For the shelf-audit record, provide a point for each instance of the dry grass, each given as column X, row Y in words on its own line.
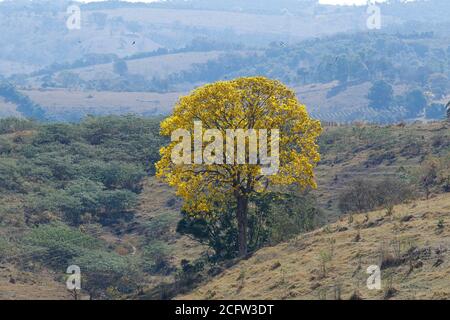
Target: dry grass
column 153, row 66
column 60, row 101
column 423, row 273
column 345, row 158
column 25, row 285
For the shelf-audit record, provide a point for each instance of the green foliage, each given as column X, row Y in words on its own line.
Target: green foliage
column 11, row 179
column 129, row 139
column 61, row 133
column 273, row 217
column 58, row 246
column 381, row 95
column 120, row 67
column 218, row 231
column 290, row 214
column 55, row 245
column 155, row 258
column 416, row 102
column 159, row 227
column 7, row 249
column 81, row 199
column 99, row 261
column 115, row 175
column 105, row 274
column 11, row 125
column 91, row 170
column 364, row 195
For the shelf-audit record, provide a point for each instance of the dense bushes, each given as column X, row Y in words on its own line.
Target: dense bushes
column 107, row 274
column 11, row 179
column 57, row 245
column 11, row 125
column 7, row 249
column 364, row 195
column 65, row 179
column 82, row 200
column 272, row 218
column 91, row 171
column 155, row 258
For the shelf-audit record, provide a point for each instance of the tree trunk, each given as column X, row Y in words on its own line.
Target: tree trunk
column 241, row 214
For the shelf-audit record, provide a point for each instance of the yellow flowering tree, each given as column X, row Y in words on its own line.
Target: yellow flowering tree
column 211, row 176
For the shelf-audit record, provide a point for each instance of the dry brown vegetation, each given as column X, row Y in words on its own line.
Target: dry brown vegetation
column 21, row 285
column 412, row 246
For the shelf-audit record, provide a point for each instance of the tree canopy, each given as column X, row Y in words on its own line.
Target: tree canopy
column 254, row 103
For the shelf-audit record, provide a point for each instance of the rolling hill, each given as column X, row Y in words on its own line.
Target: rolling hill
column 412, row 247
column 288, row 270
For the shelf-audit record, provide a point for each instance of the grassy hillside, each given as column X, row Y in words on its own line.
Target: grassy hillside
column 161, row 66
column 67, row 105
column 63, row 104
column 376, row 153
column 44, row 167
column 412, row 246
column 332, row 102
column 125, row 30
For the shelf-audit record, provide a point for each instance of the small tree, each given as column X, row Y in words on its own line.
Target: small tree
column 103, row 272
column 429, row 175
column 120, row 67
column 381, row 95
column 245, row 103
column 416, row 102
column 439, row 84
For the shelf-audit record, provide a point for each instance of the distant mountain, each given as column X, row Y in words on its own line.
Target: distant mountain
column 34, row 33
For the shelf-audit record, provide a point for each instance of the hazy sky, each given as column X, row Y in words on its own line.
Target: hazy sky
column 358, row 2
column 345, row 2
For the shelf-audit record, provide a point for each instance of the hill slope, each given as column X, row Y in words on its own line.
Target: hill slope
column 409, row 245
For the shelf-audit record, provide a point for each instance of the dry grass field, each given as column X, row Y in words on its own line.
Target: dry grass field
column 16, row 284
column 60, row 102
column 329, row 102
column 349, row 103
column 160, row 66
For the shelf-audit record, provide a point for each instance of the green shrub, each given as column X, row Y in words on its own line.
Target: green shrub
column 155, row 258
column 62, row 133
column 104, row 272
column 364, row 195
column 80, row 198
column 7, row 249
column 159, row 227
column 56, row 245
column 115, row 175
column 273, row 217
column 11, row 179
column 11, row 125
